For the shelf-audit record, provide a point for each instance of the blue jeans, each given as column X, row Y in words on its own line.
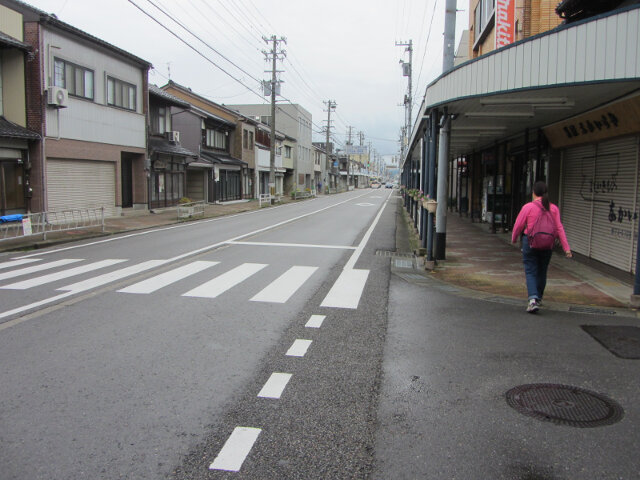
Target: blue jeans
column 536, row 263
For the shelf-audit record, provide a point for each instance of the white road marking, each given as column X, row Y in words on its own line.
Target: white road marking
column 15, row 263
column 295, row 245
column 224, row 282
column 235, row 449
column 275, row 385
column 347, row 289
column 52, row 277
column 38, row 268
column 112, row 276
column 365, row 204
column 356, row 255
column 298, row 348
column 29, row 307
column 167, row 278
column 281, row 289
column 315, row 321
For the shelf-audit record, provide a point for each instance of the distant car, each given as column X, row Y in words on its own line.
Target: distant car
column 375, row 185
column 388, row 185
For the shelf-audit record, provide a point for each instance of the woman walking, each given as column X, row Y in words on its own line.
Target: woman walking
column 533, row 220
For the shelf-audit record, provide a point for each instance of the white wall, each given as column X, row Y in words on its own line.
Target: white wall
column 88, row 120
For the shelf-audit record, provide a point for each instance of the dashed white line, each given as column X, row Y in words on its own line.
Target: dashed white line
column 315, row 321
column 298, row 348
column 235, row 450
column 275, row 385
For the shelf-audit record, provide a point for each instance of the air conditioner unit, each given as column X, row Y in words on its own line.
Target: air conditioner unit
column 173, row 136
column 58, row 97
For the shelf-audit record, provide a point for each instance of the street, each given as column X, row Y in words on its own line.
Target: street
column 145, row 366
column 287, row 343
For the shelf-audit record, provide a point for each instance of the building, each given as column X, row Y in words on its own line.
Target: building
column 295, row 122
column 225, row 143
column 562, row 106
column 88, row 100
column 16, row 141
column 168, row 160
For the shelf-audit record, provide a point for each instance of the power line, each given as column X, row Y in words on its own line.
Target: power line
column 426, row 45
column 193, row 48
column 201, row 40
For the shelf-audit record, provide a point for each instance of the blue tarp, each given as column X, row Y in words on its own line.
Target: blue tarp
column 11, row 218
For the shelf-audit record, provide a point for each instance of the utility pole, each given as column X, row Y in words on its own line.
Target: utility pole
column 361, row 136
column 448, row 54
column 331, row 105
column 407, row 72
column 349, row 133
column 274, row 55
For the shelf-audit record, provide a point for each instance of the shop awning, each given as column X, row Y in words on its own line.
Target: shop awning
column 158, row 145
column 222, row 159
column 11, row 130
column 535, row 83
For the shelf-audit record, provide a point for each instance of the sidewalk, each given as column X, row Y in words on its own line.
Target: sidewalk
column 130, row 221
column 480, row 261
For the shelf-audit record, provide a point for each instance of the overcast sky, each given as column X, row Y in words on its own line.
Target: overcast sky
column 340, row 50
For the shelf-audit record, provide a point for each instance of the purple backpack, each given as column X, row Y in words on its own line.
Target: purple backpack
column 542, row 235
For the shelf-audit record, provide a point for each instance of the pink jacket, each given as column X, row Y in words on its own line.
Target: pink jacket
column 529, row 214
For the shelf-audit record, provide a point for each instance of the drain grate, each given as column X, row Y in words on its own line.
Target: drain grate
column 621, row 340
column 564, row 405
column 598, row 311
column 389, row 253
column 400, row 263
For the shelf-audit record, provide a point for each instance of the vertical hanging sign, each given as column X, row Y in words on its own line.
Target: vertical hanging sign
column 505, row 22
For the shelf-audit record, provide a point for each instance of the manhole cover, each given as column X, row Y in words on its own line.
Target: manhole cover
column 564, row 405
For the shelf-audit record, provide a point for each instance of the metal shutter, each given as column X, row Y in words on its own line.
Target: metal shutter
column 613, row 225
column 81, row 184
column 576, row 202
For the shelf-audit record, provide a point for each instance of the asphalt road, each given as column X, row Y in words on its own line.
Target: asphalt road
column 139, row 356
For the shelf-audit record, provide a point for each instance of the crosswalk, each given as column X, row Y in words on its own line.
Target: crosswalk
column 25, row 274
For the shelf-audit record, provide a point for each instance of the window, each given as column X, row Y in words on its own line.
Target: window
column 245, row 139
column 215, row 139
column 76, row 79
column 266, row 119
column 287, row 151
column 162, row 120
column 121, row 94
column 482, row 17
column 251, row 140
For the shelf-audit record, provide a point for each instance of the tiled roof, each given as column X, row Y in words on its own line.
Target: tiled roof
column 222, row 159
column 158, row 92
column 11, row 130
column 8, row 41
column 159, row 145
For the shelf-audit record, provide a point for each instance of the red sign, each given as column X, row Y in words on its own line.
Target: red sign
column 505, row 22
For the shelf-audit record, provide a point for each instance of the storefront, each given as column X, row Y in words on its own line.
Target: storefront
column 600, row 181
column 15, row 167
column 227, row 179
column 167, row 174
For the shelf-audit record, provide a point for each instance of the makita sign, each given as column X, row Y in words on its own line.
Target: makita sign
column 505, row 22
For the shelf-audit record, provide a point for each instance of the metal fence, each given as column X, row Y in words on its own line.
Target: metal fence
column 191, row 209
column 44, row 223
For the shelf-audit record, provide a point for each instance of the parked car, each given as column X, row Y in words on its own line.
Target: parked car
column 388, row 185
column 375, row 185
